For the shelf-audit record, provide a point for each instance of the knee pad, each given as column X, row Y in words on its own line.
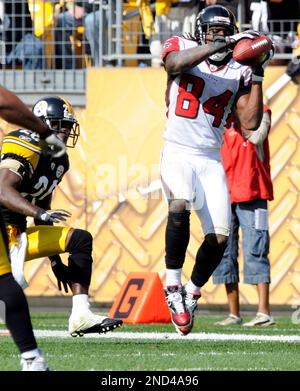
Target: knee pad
column 80, row 247
column 177, row 239
column 178, row 206
column 80, row 240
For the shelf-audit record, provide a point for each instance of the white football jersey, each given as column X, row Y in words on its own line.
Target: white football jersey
column 200, row 101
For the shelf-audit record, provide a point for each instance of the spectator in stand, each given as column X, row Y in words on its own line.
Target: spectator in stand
column 259, row 17
column 230, row 4
column 172, row 18
column 74, row 14
column 91, row 24
column 21, row 45
column 246, row 160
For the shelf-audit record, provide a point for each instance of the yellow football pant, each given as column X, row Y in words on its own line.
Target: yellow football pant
column 42, row 240
column 45, row 240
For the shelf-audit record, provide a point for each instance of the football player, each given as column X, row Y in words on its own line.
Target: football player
column 204, row 85
column 17, row 316
column 28, row 178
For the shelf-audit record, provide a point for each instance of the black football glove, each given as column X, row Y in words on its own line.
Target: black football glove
column 52, row 216
column 61, row 272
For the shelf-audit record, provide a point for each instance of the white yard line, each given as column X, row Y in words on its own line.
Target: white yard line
column 170, row 336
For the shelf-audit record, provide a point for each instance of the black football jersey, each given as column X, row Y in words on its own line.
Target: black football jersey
column 40, row 174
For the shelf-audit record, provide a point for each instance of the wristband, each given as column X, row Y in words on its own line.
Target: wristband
column 257, row 78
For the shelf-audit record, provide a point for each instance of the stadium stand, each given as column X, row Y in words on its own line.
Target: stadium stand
column 125, row 35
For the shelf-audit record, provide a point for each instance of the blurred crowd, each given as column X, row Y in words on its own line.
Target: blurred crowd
column 70, row 34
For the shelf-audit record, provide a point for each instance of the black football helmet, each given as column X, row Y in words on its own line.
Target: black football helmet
column 58, row 114
column 212, row 16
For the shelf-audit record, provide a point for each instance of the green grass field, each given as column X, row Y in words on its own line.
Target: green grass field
column 130, row 349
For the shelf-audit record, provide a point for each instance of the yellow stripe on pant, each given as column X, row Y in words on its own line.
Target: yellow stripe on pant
column 43, row 240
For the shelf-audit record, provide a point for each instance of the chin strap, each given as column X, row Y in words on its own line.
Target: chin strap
column 223, row 48
column 219, row 62
column 219, row 57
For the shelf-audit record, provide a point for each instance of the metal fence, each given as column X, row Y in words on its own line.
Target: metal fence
column 46, row 47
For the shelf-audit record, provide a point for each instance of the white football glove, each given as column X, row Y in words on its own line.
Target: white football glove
column 250, row 34
column 52, row 145
column 53, row 216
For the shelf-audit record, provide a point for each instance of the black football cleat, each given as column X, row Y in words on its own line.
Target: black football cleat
column 89, row 323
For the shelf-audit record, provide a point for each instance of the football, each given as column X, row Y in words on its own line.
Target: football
column 252, row 51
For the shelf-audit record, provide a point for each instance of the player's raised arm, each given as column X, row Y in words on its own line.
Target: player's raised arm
column 179, row 62
column 13, row 110
column 249, row 107
column 208, row 43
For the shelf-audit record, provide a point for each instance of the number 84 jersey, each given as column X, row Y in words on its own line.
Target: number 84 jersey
column 199, row 101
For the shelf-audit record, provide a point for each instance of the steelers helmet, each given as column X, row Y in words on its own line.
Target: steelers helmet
column 58, row 114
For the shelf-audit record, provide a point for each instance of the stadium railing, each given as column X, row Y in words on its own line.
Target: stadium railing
column 34, row 50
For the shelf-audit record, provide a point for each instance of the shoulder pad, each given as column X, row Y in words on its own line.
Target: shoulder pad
column 26, row 135
column 22, row 145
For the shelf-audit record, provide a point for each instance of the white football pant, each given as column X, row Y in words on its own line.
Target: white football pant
column 199, row 178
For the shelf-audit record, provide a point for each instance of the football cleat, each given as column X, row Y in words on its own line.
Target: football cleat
column 180, row 316
column 34, row 364
column 191, row 300
column 88, row 323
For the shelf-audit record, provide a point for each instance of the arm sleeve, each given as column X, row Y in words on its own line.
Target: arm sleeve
column 258, row 136
column 246, row 80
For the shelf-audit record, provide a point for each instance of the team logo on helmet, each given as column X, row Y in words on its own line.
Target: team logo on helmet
column 220, row 19
column 40, row 109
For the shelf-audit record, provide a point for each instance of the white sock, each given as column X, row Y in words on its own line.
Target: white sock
column 31, row 354
column 80, row 303
column 190, row 287
column 173, row 277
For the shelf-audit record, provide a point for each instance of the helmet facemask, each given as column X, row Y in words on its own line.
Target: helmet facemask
column 58, row 114
column 217, row 37
column 68, row 130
